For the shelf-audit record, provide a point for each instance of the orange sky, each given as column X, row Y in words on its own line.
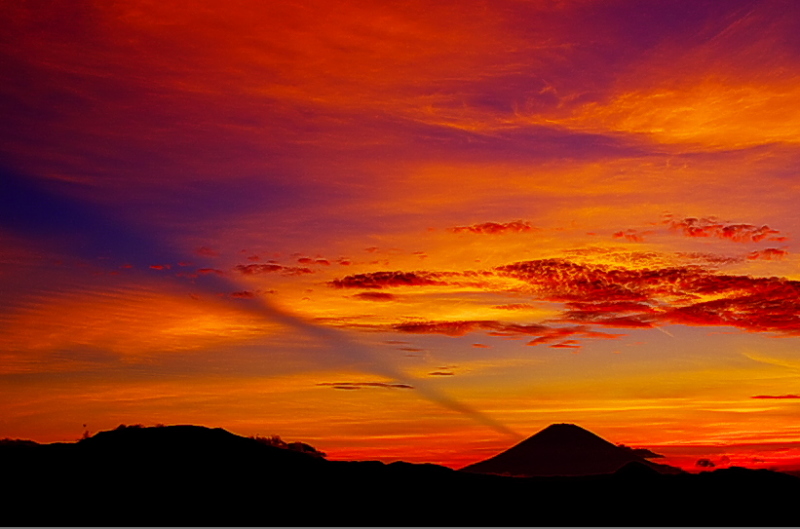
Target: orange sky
column 404, row 230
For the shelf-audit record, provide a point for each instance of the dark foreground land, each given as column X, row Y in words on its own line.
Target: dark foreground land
column 189, row 475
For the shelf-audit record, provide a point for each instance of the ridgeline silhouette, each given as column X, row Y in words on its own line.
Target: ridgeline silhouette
column 564, row 450
column 191, row 475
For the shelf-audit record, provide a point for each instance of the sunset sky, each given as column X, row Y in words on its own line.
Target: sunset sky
column 417, row 230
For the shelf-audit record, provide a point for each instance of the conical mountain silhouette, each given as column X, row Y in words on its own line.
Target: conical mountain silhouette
column 562, row 450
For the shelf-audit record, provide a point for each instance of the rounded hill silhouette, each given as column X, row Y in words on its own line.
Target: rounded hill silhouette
column 563, row 450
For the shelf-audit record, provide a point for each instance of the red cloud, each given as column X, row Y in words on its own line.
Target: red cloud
column 630, row 322
column 567, row 344
column 450, row 328
column 308, row 260
column 243, row 294
column 754, row 304
column 493, row 328
column 544, row 334
column 768, row 254
column 776, row 397
column 552, row 335
column 707, row 258
column 514, row 306
column 253, row 269
column 494, row 228
column 753, row 313
column 387, row 279
column 375, row 296
column 611, row 297
column 201, row 271
column 644, row 298
column 259, row 268
column 589, row 310
column 631, row 235
column 210, row 271
column 692, row 227
column 561, row 280
column 612, row 314
column 359, row 385
column 206, row 251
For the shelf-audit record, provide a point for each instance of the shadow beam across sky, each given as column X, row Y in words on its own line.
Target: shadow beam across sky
column 88, row 232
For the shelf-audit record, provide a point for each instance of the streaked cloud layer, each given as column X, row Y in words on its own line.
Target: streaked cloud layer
column 531, row 212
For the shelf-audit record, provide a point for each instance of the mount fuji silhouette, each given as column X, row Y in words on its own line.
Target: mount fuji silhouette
column 565, row 450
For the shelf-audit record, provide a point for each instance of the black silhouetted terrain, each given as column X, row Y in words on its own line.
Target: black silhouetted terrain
column 189, row 475
column 564, row 450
